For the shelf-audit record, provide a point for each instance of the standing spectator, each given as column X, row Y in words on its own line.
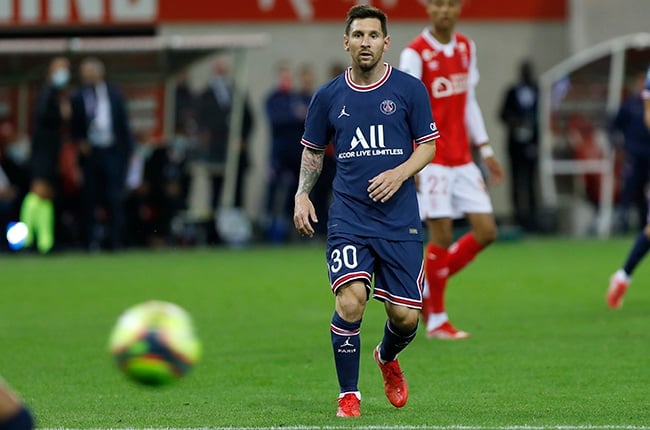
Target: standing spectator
column 184, row 109
column 100, row 127
column 636, row 152
column 519, row 114
column 286, row 109
column 379, row 121
column 451, row 184
column 306, row 81
column 214, row 108
column 51, row 111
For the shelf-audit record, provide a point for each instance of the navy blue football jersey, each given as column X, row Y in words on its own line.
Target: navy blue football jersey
column 373, row 128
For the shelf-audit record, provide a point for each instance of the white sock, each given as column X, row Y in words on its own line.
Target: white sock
column 436, row 320
column 622, row 275
column 357, row 394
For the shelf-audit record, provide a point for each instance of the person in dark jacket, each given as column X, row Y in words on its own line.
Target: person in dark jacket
column 100, row 127
column 519, row 114
column 286, row 109
column 214, row 108
column 51, row 111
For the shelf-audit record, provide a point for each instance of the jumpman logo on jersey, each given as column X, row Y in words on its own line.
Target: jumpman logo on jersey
column 343, row 113
column 346, row 343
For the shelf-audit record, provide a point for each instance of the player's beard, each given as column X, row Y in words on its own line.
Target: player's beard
column 366, row 67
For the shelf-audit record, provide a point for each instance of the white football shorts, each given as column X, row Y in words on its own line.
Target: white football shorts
column 451, row 192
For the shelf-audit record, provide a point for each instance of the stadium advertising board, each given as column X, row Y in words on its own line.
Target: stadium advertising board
column 124, row 12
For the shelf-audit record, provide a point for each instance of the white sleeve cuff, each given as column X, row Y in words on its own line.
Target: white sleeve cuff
column 486, row 151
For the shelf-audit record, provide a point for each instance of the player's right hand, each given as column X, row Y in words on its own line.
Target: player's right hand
column 303, row 215
column 496, row 172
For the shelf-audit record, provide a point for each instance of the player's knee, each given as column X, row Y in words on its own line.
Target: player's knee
column 410, row 322
column 406, row 320
column 487, row 235
column 351, row 302
column 350, row 310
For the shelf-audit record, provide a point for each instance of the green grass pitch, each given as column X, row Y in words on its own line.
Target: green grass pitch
column 545, row 349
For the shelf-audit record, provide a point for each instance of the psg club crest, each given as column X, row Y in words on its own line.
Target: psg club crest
column 388, row 107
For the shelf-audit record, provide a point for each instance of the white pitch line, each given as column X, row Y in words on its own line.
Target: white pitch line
column 379, row 427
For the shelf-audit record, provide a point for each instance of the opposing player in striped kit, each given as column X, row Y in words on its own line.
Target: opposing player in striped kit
column 452, row 185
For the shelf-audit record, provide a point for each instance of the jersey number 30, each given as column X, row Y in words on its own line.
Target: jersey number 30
column 347, row 256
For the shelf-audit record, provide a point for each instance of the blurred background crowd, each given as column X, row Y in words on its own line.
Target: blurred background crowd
column 91, row 166
column 133, row 189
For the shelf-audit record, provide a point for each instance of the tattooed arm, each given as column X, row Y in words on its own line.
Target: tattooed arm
column 304, row 212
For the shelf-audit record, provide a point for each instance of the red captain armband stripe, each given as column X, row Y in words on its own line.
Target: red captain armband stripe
column 313, row 146
column 432, row 136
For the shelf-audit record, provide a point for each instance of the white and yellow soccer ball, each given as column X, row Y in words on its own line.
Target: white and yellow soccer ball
column 154, row 343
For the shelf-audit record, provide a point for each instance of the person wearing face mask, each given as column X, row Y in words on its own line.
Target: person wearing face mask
column 51, row 111
column 100, row 128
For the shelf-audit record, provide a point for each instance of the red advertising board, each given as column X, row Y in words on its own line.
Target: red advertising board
column 335, row 10
column 52, row 13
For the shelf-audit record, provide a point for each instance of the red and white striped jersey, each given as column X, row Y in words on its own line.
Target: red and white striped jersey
column 450, row 74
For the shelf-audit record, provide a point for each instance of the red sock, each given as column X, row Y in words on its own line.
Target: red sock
column 462, row 252
column 436, row 270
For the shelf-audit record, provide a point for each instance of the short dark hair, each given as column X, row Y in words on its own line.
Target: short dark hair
column 363, row 11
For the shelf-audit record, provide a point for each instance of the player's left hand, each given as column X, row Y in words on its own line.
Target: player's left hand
column 384, row 185
column 496, row 172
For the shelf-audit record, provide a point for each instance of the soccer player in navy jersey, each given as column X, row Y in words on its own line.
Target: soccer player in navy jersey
column 620, row 281
column 380, row 122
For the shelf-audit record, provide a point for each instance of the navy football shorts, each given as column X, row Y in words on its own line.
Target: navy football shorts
column 396, row 266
